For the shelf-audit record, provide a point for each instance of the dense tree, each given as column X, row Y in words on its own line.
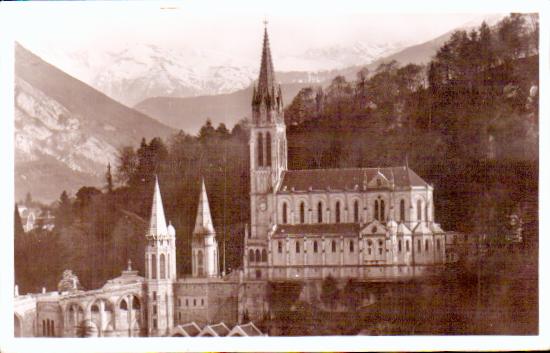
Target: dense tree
column 18, row 225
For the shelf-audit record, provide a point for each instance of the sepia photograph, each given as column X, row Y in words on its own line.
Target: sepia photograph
column 188, row 170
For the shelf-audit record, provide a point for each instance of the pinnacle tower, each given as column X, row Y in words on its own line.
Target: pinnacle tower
column 203, row 223
column 157, row 223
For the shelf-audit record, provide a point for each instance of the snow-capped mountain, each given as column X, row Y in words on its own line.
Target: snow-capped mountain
column 140, row 71
column 339, row 56
column 65, row 131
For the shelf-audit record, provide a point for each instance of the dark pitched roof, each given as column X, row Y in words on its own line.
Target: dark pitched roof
column 191, row 329
column 347, row 179
column 220, row 329
column 251, row 330
column 323, row 228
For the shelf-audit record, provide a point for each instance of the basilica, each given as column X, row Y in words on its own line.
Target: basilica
column 370, row 224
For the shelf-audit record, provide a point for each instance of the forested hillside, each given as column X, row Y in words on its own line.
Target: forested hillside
column 467, row 122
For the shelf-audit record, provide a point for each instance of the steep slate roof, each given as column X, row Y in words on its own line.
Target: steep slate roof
column 246, row 330
column 266, row 80
column 203, row 223
column 347, row 178
column 191, row 329
column 321, row 228
column 157, row 222
column 217, row 330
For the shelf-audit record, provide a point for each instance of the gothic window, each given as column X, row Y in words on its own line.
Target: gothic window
column 426, row 245
column 123, row 305
column 402, row 210
column 399, row 246
column 260, row 150
column 155, row 324
column 320, row 212
column 302, row 213
column 315, row 249
column 199, row 260
column 297, row 247
column 162, row 267
column 419, row 245
column 280, row 246
column 376, row 214
column 153, row 266
column 438, row 244
column 154, row 295
column 407, row 246
column 426, row 212
column 351, row 246
column 168, row 267
column 258, row 257
column 268, row 149
column 382, row 211
column 419, row 210
column 333, row 246
column 356, row 211
column 194, row 302
column 154, row 310
column 285, row 216
column 250, row 255
column 264, row 255
column 337, row 212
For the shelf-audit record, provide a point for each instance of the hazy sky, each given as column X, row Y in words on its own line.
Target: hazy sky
column 233, row 27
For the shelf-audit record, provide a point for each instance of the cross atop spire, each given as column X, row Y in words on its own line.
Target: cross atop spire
column 157, row 223
column 203, row 224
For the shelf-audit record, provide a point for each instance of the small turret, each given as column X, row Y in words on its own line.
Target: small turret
column 204, row 246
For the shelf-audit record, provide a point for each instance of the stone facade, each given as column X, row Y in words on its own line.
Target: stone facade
column 363, row 223
column 371, row 224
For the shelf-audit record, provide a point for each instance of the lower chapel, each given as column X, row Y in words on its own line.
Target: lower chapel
column 369, row 224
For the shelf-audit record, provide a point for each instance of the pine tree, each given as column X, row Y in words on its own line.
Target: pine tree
column 18, row 224
column 109, row 179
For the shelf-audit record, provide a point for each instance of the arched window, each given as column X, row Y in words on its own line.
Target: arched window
column 162, row 267
column 153, row 266
column 402, row 210
column 280, row 246
column 264, row 255
column 333, row 246
column 351, row 246
column 419, row 210
column 356, row 211
column 297, row 246
column 408, row 246
column 426, row 214
column 250, row 255
column 260, row 150
column 399, row 246
column 426, row 245
column 315, row 248
column 376, row 210
column 337, row 211
column 302, row 213
column 168, row 267
column 382, row 211
column 123, row 305
column 320, row 212
column 258, row 257
column 285, row 215
column 418, row 245
column 438, row 244
column 135, row 303
column 268, row 149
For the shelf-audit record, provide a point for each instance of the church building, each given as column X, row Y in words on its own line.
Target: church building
column 370, row 224
column 364, row 223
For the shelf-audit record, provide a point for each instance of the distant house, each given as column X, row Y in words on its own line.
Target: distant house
column 33, row 217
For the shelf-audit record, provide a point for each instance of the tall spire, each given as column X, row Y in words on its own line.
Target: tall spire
column 266, row 80
column 157, row 224
column 203, row 224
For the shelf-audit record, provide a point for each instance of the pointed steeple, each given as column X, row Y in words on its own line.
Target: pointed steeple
column 157, row 224
column 203, row 224
column 266, row 80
